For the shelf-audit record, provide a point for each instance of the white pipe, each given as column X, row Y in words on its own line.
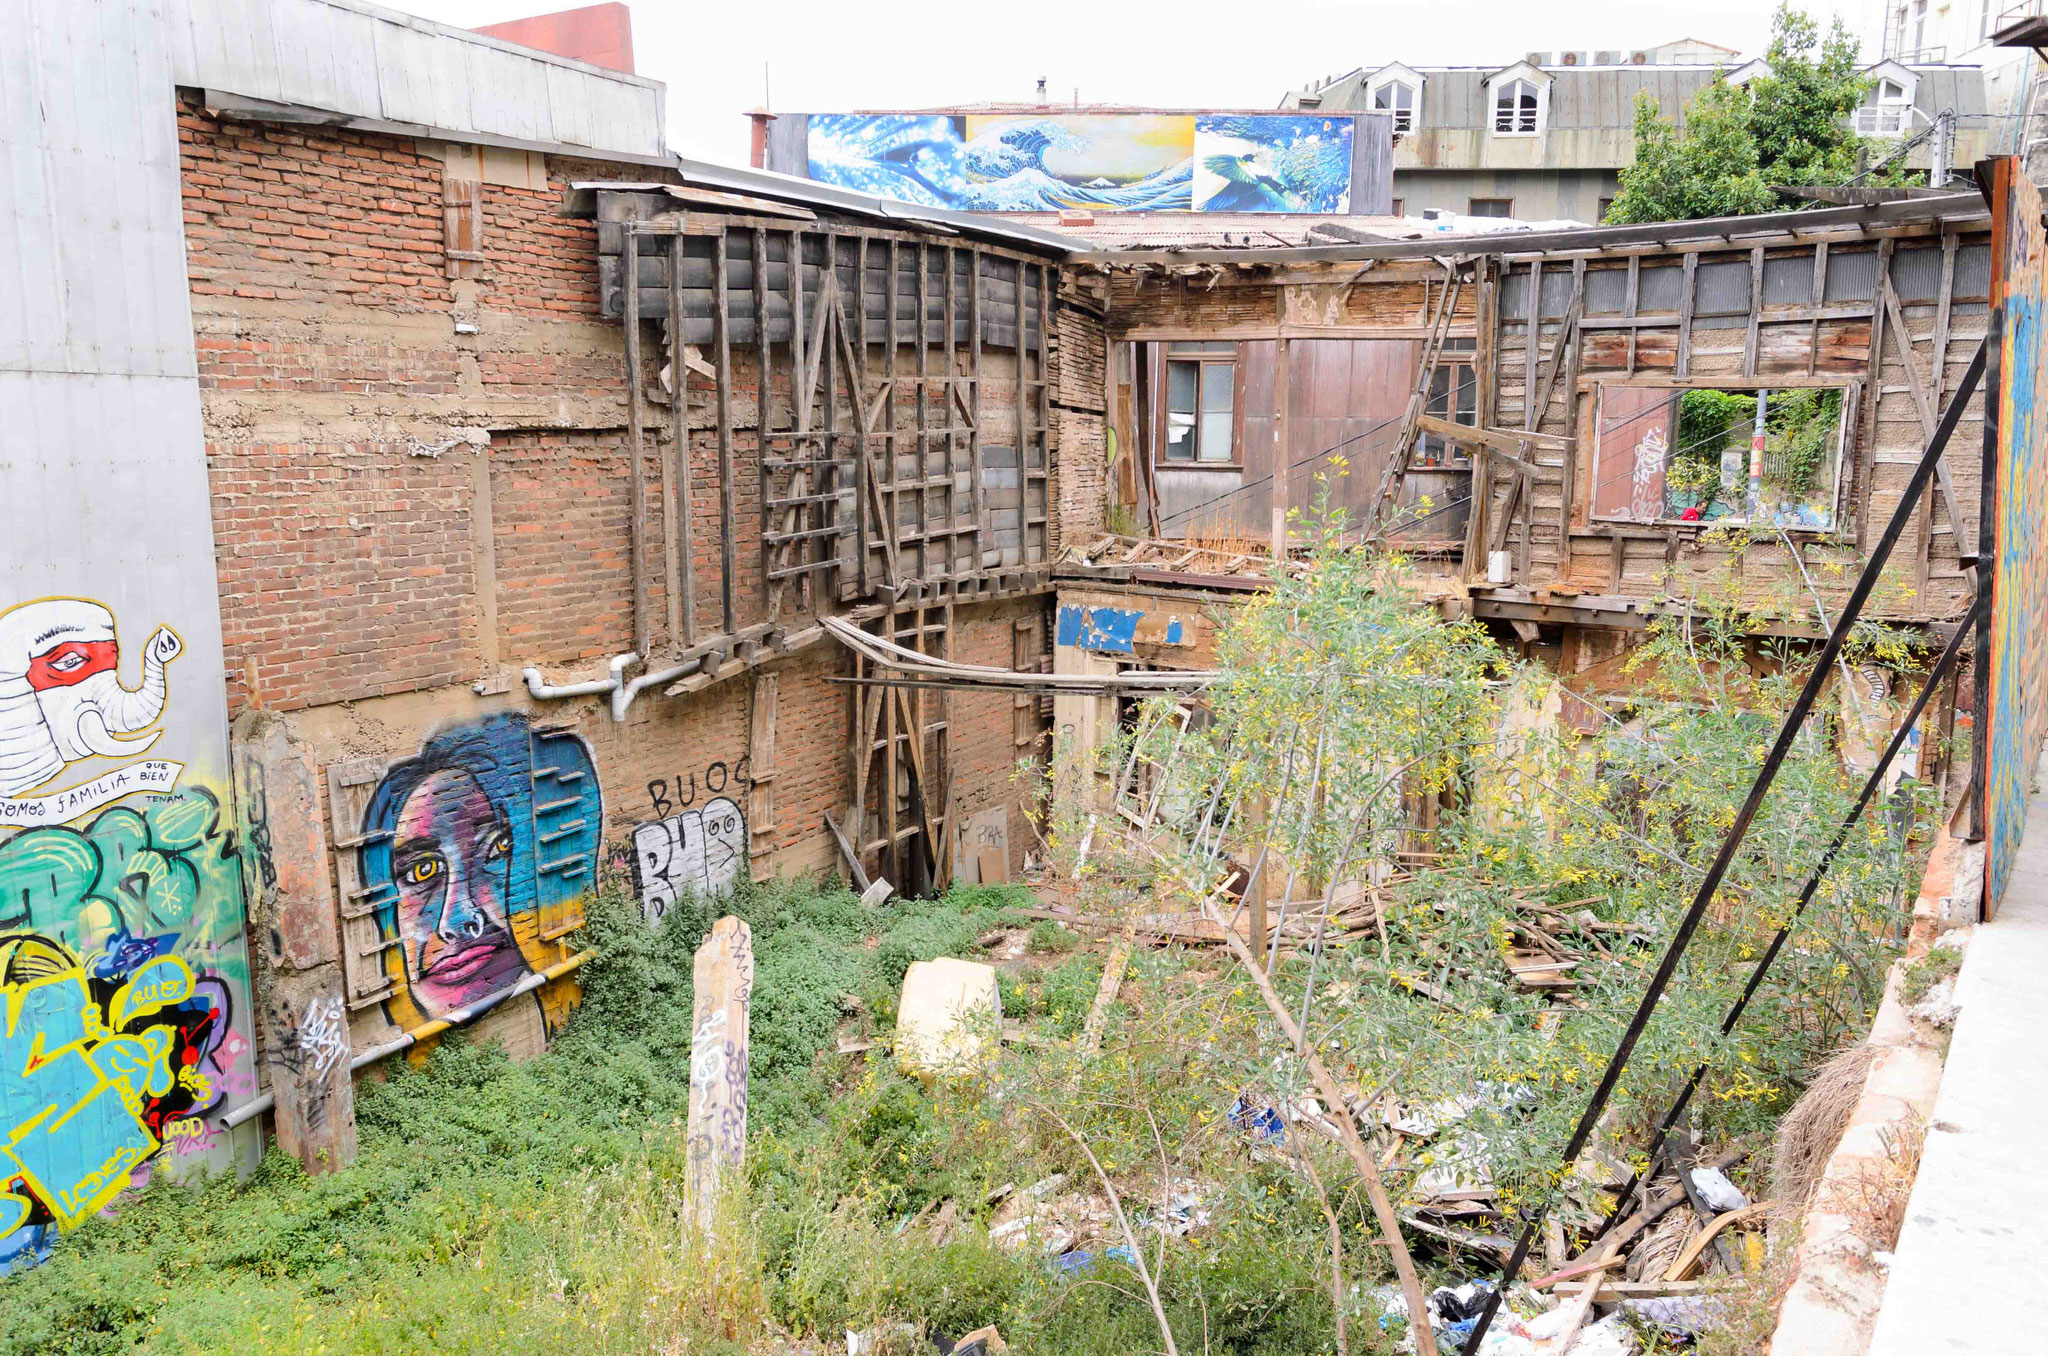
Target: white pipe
column 543, row 690
column 624, row 693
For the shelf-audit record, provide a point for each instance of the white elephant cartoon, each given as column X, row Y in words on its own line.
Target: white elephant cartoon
column 61, row 697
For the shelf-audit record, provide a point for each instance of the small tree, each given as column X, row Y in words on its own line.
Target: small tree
column 1787, row 126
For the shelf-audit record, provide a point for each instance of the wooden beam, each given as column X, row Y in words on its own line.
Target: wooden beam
column 1924, row 406
column 1505, row 441
column 1283, row 357
column 636, row 449
column 721, row 328
column 682, row 607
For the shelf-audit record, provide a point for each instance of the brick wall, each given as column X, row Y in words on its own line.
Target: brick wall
column 375, row 563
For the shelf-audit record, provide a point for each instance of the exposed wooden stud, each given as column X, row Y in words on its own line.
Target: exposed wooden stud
column 982, row 532
column 764, row 385
column 1043, row 473
column 949, row 390
column 1635, row 284
column 721, row 339
column 636, row 446
column 682, row 603
column 1820, row 301
column 1860, row 481
column 1283, row 399
column 1568, row 479
column 1022, row 424
column 1687, row 301
column 924, row 413
column 1756, row 311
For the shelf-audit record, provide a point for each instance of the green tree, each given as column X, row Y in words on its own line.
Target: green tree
column 1789, row 126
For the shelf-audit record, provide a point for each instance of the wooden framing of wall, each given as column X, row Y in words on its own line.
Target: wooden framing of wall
column 885, row 398
column 1885, row 303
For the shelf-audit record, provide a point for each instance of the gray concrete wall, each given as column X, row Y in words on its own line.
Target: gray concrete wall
column 1539, row 195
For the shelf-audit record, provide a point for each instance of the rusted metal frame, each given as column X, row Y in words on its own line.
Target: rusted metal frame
column 1820, row 301
column 1568, row 476
column 636, row 443
column 1756, row 311
column 1044, row 472
column 1866, row 451
column 976, row 491
column 924, row 408
column 949, row 397
column 1635, row 283
column 764, row 384
column 1687, row 302
column 682, row 607
column 721, row 338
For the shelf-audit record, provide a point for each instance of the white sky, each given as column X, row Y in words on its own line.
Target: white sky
column 822, row 57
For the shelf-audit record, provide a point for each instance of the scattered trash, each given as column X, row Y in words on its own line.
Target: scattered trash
column 876, row 893
column 1687, row 1316
column 1716, row 1190
column 981, row 1342
column 870, row 1341
column 1081, row 1259
column 1609, row 1337
column 1255, row 1118
column 950, row 1017
column 1049, row 1234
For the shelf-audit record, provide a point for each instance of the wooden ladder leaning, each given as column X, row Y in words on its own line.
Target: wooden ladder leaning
column 1396, row 472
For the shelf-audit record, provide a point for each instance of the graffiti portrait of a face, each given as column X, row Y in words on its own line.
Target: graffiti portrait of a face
column 451, row 862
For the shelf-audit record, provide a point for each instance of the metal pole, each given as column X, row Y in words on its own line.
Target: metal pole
column 1866, row 581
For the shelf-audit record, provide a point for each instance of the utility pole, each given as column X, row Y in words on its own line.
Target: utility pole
column 1944, row 148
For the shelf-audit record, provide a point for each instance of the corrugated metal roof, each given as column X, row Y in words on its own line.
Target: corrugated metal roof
column 788, row 188
column 354, row 58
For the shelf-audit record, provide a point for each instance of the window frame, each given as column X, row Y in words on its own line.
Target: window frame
column 1203, row 354
column 1504, row 91
column 1472, row 208
column 1460, row 354
column 1839, row 527
column 1411, row 116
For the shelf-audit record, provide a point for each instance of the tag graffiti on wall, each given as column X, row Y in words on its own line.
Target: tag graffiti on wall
column 478, row 857
column 120, row 967
column 699, row 852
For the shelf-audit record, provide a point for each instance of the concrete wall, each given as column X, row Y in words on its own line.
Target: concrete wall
column 120, row 889
column 1538, row 195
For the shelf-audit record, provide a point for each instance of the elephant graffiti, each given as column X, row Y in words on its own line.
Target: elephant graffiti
column 61, row 698
column 698, row 851
column 471, row 850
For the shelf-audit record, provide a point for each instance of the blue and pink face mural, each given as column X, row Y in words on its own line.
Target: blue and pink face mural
column 479, row 854
column 1115, row 162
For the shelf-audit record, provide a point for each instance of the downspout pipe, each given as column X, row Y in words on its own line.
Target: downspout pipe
column 249, row 1111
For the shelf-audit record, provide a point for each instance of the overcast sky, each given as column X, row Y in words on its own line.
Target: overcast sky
column 820, row 56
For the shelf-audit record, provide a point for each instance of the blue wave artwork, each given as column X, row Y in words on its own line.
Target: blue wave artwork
column 1272, row 164
column 1106, row 162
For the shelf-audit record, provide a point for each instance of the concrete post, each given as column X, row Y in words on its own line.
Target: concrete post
column 296, row 958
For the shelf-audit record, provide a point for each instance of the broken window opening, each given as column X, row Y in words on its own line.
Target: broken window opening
column 1491, row 207
column 1453, row 395
column 1198, row 411
column 1744, row 456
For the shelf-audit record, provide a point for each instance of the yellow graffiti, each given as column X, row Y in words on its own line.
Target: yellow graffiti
column 71, row 1087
